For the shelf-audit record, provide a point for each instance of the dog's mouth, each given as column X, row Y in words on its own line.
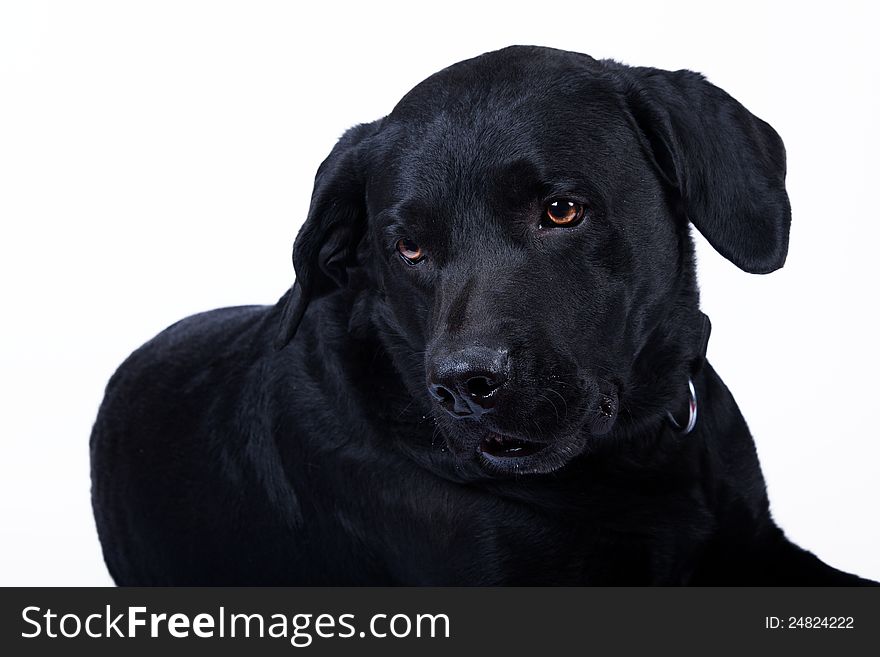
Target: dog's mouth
column 499, row 446
column 502, row 451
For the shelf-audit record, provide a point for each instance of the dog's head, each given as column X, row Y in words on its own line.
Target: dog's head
column 518, row 227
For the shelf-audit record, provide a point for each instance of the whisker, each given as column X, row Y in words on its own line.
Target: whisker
column 538, row 427
column 406, row 408
column 564, row 403
column 550, row 401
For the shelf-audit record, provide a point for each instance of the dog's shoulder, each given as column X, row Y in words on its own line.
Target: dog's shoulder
column 197, row 365
column 192, row 343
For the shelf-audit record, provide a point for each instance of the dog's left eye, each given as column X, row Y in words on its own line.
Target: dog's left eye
column 563, row 212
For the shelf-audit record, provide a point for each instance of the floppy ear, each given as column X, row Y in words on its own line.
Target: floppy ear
column 326, row 244
column 727, row 164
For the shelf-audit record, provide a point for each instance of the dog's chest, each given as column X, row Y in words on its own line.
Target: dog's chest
column 447, row 534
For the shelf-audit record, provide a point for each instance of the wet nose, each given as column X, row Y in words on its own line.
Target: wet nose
column 466, row 382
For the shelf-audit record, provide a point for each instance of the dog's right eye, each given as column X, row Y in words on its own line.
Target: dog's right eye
column 410, row 251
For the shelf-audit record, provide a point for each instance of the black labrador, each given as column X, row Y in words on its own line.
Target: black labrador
column 491, row 367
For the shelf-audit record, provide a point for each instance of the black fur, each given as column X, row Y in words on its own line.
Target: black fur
column 299, row 444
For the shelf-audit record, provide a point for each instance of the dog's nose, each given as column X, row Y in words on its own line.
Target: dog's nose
column 465, row 382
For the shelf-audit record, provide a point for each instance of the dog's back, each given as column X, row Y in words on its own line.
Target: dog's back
column 170, row 438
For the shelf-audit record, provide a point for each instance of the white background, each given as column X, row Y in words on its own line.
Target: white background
column 156, row 160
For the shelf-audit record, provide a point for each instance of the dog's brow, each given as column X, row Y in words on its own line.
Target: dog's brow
column 399, row 218
column 394, row 230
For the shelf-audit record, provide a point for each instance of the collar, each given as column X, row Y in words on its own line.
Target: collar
column 696, row 365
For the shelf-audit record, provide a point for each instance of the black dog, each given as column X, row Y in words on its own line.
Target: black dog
column 490, row 365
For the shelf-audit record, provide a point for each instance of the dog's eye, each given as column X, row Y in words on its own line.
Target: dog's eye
column 563, row 212
column 410, row 251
